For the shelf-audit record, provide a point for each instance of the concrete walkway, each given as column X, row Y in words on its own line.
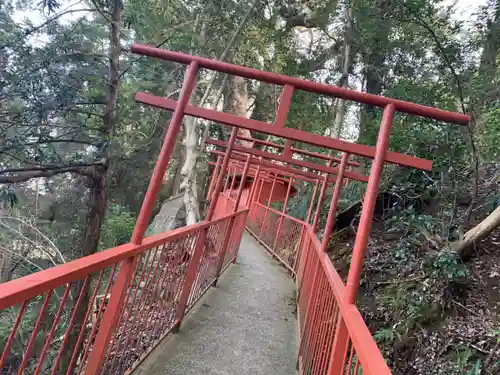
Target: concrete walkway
column 246, row 325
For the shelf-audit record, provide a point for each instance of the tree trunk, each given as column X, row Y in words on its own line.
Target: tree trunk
column 488, row 65
column 264, row 109
column 98, row 183
column 336, row 129
column 374, row 60
column 465, row 247
column 189, row 185
column 172, row 186
column 491, row 44
column 236, row 103
column 265, row 104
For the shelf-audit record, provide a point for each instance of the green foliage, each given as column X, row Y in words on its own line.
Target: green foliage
column 477, row 368
column 8, row 197
column 409, row 305
column 409, row 220
column 385, row 335
column 118, row 227
column 298, row 205
column 353, row 192
column 490, row 136
column 445, row 264
column 462, row 356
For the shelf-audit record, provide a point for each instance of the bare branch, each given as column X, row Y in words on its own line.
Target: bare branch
column 101, row 12
column 55, row 17
column 54, row 247
column 44, row 141
column 22, row 258
column 37, row 246
column 175, row 27
column 16, row 175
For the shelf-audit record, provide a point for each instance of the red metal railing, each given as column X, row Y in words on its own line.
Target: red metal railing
column 277, row 231
column 333, row 337
column 54, row 316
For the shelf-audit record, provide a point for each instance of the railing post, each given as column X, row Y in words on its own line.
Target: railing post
column 119, row 290
column 230, row 227
column 320, row 199
column 242, row 183
column 261, row 187
column 214, row 178
column 311, row 205
column 311, row 302
column 254, row 186
column 283, row 211
column 261, row 181
column 318, row 207
column 190, row 277
column 307, row 219
column 339, row 349
column 330, row 221
column 223, row 192
column 233, row 182
column 268, row 205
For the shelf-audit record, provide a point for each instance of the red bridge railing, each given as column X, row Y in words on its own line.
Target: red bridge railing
column 59, row 312
column 332, row 335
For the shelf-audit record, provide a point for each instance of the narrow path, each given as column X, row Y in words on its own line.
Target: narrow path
column 246, row 325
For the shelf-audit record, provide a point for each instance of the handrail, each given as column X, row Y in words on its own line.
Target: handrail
column 279, row 213
column 24, row 288
column 362, row 338
column 356, row 326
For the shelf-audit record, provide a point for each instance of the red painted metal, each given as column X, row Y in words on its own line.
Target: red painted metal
column 299, row 151
column 320, row 201
column 166, row 151
column 284, row 105
column 269, row 199
column 218, row 185
column 131, row 317
column 110, row 318
column 301, row 84
column 246, row 168
column 289, row 133
column 273, row 167
column 8, row 344
column 34, row 333
column 303, row 231
column 282, row 158
column 48, row 339
column 369, row 201
column 330, row 221
column 283, row 211
column 214, row 178
column 72, row 322
column 230, row 234
column 254, row 185
column 311, row 205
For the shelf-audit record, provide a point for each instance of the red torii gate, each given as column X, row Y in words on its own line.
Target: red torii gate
column 331, row 328
column 380, row 153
